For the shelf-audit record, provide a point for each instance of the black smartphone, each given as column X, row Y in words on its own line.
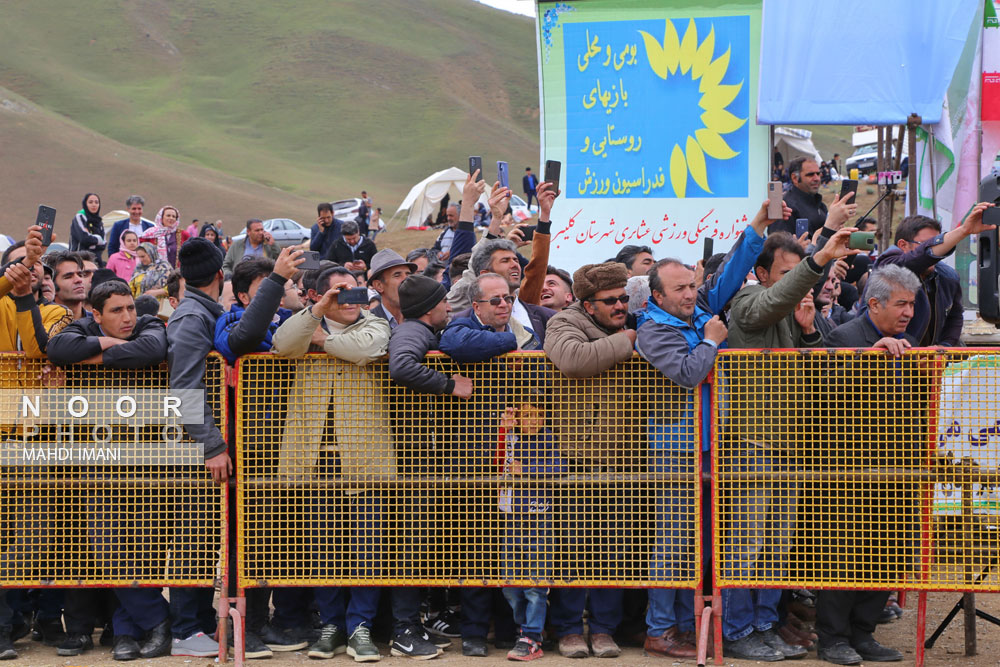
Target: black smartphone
column 476, row 163
column 503, row 174
column 849, row 185
column 553, row 168
column 311, row 262
column 46, row 219
column 709, row 250
column 801, row 227
column 528, row 233
column 357, row 295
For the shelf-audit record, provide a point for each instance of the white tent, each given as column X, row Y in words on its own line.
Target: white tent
column 424, row 197
column 792, row 142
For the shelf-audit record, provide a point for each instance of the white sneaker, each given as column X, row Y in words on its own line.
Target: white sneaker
column 196, row 646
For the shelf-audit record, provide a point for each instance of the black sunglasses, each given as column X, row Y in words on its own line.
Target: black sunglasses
column 611, row 300
column 495, row 301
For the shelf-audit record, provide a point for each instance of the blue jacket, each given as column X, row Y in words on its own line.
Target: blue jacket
column 320, row 241
column 539, row 457
column 467, row 340
column 679, row 350
column 236, row 335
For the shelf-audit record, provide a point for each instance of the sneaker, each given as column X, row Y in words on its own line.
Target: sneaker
column 126, row 648
column 332, row 640
column 75, row 644
column 7, row 651
column 253, row 647
column 604, row 646
column 840, row 653
column 573, row 646
column 525, row 649
column 445, row 624
column 438, row 640
column 872, row 651
column 360, row 646
column 410, row 643
column 277, row 639
column 474, row 647
column 197, row 645
column 774, row 640
column 751, row 647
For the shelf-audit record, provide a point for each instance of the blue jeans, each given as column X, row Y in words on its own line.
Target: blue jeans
column 335, row 607
column 677, row 525
column 529, row 609
column 756, row 541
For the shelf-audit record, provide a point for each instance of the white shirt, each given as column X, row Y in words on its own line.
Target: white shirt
column 520, row 313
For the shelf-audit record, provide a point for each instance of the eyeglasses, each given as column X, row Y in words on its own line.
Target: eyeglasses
column 611, row 300
column 495, row 301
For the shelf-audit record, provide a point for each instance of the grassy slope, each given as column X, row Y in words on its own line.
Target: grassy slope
column 317, row 98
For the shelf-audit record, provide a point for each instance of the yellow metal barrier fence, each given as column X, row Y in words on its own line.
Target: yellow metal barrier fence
column 849, row 469
column 96, row 488
column 347, row 478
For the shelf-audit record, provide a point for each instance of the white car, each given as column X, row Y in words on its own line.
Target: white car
column 285, row 231
column 346, row 209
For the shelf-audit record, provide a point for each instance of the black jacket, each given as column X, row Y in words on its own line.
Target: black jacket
column 147, row 346
column 803, row 206
column 341, row 253
column 411, row 340
column 858, row 333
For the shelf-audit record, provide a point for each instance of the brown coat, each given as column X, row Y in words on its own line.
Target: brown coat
column 597, row 413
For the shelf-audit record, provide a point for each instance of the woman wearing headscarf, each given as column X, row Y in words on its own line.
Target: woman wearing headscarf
column 151, row 272
column 208, row 231
column 87, row 228
column 166, row 234
column 123, row 262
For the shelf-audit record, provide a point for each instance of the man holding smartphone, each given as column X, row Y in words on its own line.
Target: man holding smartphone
column 803, row 197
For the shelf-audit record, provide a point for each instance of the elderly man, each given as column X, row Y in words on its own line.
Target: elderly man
column 442, row 245
column 920, row 247
column 388, row 272
column 845, row 620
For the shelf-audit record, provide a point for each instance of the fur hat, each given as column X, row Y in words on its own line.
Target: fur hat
column 592, row 278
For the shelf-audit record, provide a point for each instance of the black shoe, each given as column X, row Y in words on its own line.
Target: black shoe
column 875, row 652
column 505, row 643
column 277, row 640
column 7, row 651
column 254, row 648
column 410, row 643
column 108, row 635
column 774, row 640
column 48, row 632
column 158, row 641
column 887, row 615
column 75, row 645
column 438, row 640
column 751, row 647
column 126, row 648
column 474, row 647
column 840, row 653
column 445, row 623
column 308, row 634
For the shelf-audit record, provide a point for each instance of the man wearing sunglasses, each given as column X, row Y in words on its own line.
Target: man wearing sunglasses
column 490, row 330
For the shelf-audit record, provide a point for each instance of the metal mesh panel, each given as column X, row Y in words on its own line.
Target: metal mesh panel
column 346, row 478
column 99, row 498
column 848, row 469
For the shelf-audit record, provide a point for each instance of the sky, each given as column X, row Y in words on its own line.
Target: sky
column 526, row 7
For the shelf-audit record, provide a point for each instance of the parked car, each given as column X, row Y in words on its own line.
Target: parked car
column 346, row 209
column 285, row 231
column 519, row 208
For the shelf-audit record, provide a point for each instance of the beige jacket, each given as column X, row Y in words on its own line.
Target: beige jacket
column 347, row 387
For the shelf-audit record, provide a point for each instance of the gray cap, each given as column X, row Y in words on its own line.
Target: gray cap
column 387, row 259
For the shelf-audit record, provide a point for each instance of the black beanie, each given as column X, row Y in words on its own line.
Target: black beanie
column 200, row 260
column 419, row 294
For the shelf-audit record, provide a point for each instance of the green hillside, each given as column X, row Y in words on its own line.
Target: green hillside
column 316, row 98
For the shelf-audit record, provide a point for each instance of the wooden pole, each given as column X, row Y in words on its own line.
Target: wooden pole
column 883, row 225
column 913, row 122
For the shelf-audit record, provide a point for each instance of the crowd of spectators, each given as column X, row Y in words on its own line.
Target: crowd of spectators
column 167, row 295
